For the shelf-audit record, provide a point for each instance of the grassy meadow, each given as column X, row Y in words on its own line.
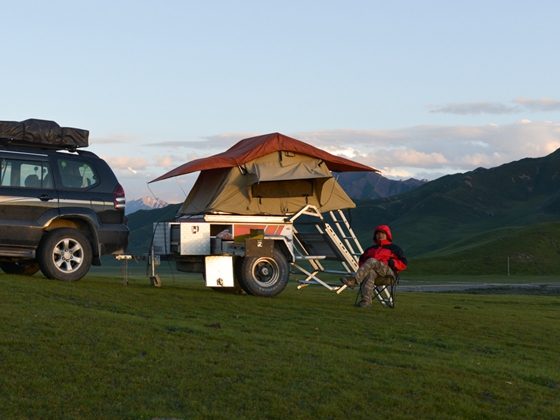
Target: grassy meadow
column 525, row 250
column 97, row 349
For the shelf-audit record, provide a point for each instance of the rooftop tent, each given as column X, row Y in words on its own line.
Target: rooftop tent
column 270, row 174
column 42, row 133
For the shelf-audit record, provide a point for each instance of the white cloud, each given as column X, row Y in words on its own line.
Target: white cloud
column 497, row 108
column 126, row 162
column 212, row 144
column 477, row 160
column 441, row 149
column 476, row 108
column 550, row 147
column 229, row 138
column 166, row 161
column 419, row 159
column 405, row 158
column 543, row 104
column 347, row 152
column 113, row 138
column 396, row 173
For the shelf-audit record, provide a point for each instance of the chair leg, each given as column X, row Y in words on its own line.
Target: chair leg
column 386, row 295
column 358, row 295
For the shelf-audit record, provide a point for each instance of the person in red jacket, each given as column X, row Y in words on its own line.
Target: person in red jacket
column 379, row 265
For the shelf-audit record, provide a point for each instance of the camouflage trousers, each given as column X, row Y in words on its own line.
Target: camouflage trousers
column 373, row 273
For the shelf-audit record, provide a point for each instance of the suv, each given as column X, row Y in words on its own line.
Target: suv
column 61, row 208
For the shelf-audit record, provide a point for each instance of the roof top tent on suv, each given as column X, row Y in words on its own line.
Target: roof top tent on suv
column 61, row 208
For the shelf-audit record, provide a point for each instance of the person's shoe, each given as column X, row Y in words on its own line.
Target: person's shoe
column 363, row 304
column 349, row 281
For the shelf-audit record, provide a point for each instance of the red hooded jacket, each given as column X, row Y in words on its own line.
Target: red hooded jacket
column 386, row 251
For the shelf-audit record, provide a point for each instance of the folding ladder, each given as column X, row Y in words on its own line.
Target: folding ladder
column 324, row 239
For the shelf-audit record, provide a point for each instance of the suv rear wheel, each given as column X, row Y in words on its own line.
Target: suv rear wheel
column 64, row 254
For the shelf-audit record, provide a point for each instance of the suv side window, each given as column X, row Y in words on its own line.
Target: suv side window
column 77, row 174
column 25, row 174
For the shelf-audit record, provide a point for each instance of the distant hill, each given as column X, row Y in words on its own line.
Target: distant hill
column 527, row 250
column 455, row 207
column 144, row 203
column 363, row 185
column 141, row 227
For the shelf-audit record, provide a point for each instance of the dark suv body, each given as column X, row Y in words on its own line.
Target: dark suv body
column 60, row 211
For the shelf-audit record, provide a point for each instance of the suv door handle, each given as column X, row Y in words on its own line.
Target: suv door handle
column 45, row 197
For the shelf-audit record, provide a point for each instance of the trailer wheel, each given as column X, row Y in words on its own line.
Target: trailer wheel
column 264, row 276
column 22, row 268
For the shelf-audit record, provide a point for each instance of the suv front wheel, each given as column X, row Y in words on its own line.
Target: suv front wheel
column 64, row 254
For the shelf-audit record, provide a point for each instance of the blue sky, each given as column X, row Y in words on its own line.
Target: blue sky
column 415, row 89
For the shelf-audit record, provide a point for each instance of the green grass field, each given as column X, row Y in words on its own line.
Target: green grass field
column 528, row 250
column 97, row 349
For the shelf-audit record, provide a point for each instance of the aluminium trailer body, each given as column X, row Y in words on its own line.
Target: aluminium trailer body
column 232, row 252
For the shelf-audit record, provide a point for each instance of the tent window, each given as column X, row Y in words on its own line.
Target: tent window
column 282, row 189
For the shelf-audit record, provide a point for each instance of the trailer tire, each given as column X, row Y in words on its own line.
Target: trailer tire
column 264, row 276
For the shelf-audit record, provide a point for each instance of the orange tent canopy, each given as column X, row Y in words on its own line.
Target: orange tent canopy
column 254, row 147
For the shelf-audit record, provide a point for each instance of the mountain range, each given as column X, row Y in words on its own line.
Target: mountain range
column 480, row 222
column 491, row 216
column 144, row 203
column 371, row 185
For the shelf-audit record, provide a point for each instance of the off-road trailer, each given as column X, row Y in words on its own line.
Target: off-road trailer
column 256, row 211
column 254, row 253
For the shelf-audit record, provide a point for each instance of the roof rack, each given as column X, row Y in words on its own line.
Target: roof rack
column 4, row 141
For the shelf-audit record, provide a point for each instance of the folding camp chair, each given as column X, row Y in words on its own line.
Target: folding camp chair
column 384, row 293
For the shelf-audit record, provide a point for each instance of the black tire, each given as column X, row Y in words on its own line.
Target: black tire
column 64, row 254
column 21, row 268
column 264, row 276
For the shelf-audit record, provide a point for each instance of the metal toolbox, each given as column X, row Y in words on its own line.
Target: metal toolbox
column 182, row 238
column 194, row 239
